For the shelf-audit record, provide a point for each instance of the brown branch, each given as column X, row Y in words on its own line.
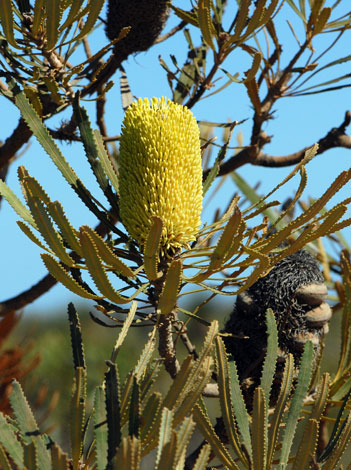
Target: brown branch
column 336, row 137
column 166, row 346
column 14, row 142
column 172, row 32
column 100, row 112
column 41, row 287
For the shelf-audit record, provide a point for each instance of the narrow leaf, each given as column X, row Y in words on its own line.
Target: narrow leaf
column 16, row 203
column 124, row 330
column 10, row 442
column 78, row 415
column 106, row 253
column 27, row 425
column 259, row 430
column 53, row 17
column 76, row 337
column 6, row 21
column 270, row 360
column 97, row 270
column 60, row 274
column 168, row 296
column 113, row 411
column 211, row 437
column 225, row 399
column 59, row 459
column 152, row 248
column 164, row 432
column 100, row 428
column 303, row 382
column 30, row 456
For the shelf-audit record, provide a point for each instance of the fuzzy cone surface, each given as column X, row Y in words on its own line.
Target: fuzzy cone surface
column 160, row 172
column 276, row 291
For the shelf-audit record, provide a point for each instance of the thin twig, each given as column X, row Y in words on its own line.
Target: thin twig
column 170, row 33
column 14, row 142
column 336, row 137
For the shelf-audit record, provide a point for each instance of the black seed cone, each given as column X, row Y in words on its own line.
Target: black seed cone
column 277, row 291
column 146, row 18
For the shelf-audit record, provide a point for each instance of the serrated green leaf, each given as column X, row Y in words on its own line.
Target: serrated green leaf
column 38, row 16
column 256, row 19
column 53, row 17
column 46, row 141
column 10, row 443
column 225, row 241
column 78, row 414
column 100, row 428
column 240, row 412
column 27, row 231
column 277, row 416
column 106, row 253
column 59, row 459
column 303, row 382
column 270, row 360
column 105, row 161
column 259, row 429
column 240, row 21
column 150, row 415
column 179, row 382
column 340, row 445
column 72, row 15
column 97, row 270
column 207, row 430
column 128, row 454
column 54, row 89
column 60, row 274
column 152, row 248
column 76, row 337
column 169, row 294
column 183, row 437
column 226, row 400
column 307, row 445
column 205, row 22
column 338, row 428
column 322, row 20
column 220, row 157
column 203, row 458
column 4, row 461
column 200, row 377
column 124, row 330
column 296, row 10
column 187, row 16
column 69, row 234
column 91, row 149
column 16, row 204
column 47, row 229
column 113, row 411
column 134, row 410
column 6, row 21
column 94, row 7
column 29, row 182
column 28, row 426
column 251, row 73
column 30, row 456
column 164, row 432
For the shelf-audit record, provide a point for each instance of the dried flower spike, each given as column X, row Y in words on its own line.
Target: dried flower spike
column 160, row 172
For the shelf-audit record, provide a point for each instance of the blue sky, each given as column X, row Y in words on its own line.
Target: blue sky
column 298, row 122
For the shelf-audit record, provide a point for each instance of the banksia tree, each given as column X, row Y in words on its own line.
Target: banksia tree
column 152, row 251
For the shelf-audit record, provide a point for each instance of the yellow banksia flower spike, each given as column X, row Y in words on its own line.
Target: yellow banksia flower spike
column 160, row 172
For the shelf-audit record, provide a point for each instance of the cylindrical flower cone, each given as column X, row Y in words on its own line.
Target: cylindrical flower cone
column 160, row 172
